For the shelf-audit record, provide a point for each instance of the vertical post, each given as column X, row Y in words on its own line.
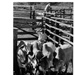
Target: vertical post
column 71, row 15
column 33, row 14
column 52, row 30
column 71, row 31
column 55, row 13
column 57, row 33
column 16, row 67
column 51, row 10
column 45, row 28
column 60, row 13
column 43, row 25
column 63, row 13
column 30, row 12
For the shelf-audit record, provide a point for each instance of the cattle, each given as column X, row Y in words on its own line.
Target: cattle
column 34, row 50
column 22, row 57
column 37, row 45
column 46, row 60
column 21, row 53
column 64, row 56
column 26, row 58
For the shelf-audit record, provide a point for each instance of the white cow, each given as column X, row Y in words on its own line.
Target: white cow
column 48, row 49
column 64, row 55
column 37, row 45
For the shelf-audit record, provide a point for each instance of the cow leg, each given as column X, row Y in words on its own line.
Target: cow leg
column 60, row 70
column 66, row 69
column 72, row 62
column 57, row 73
column 22, row 71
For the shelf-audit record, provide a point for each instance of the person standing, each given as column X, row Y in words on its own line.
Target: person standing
column 48, row 8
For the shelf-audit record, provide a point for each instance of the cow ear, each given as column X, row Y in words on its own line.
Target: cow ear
column 47, row 48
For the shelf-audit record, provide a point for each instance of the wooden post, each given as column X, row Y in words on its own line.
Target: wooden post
column 52, row 29
column 57, row 32
column 56, row 13
column 30, row 12
column 33, row 14
column 54, row 32
column 63, row 13
column 71, row 15
column 71, row 31
column 43, row 25
column 60, row 13
column 34, row 23
column 16, row 67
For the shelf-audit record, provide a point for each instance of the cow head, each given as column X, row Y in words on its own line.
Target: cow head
column 42, row 36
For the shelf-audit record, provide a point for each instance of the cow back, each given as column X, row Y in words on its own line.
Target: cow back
column 48, row 48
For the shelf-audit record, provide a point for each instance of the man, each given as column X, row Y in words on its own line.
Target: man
column 48, row 12
column 48, row 9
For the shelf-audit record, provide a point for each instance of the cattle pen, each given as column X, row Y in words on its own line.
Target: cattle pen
column 30, row 18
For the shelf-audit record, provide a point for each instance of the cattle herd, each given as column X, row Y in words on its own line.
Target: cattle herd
column 43, row 58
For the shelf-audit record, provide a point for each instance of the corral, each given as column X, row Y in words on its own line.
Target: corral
column 29, row 18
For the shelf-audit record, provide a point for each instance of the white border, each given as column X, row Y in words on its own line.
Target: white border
column 6, row 31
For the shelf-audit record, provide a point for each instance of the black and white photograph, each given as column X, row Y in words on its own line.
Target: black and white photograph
column 43, row 38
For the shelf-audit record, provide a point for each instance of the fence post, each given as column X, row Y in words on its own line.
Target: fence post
column 16, row 67
column 71, row 15
column 33, row 14
column 71, row 31
column 56, row 13
column 44, row 26
column 60, row 13
column 63, row 13
column 53, row 30
column 57, row 32
column 30, row 12
column 33, row 19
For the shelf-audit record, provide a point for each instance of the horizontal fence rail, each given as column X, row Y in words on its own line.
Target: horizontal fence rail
column 52, row 40
column 60, row 37
column 21, row 6
column 48, row 13
column 53, row 28
column 26, row 26
column 62, row 24
column 65, row 32
column 56, row 18
column 26, row 20
column 27, row 39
